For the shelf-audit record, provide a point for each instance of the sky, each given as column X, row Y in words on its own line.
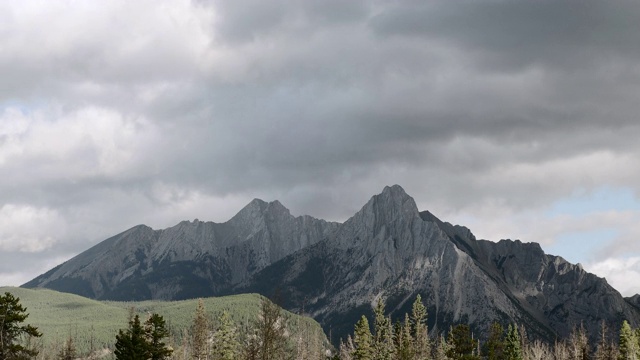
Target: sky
column 517, row 119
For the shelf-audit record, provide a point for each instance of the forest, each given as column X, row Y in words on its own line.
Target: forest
column 270, row 337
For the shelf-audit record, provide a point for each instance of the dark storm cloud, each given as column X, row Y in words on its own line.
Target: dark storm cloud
column 520, row 34
column 122, row 113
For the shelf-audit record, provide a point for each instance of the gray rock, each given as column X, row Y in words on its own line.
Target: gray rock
column 335, row 272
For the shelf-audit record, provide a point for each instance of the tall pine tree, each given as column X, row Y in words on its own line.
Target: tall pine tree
column 383, row 339
column 628, row 343
column 225, row 339
column 494, row 346
column 422, row 345
column 463, row 345
column 363, row 340
column 156, row 331
column 271, row 333
column 131, row 344
column 512, row 346
column 12, row 315
column 200, row 333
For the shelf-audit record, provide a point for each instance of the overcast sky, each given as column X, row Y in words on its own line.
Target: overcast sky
column 517, row 119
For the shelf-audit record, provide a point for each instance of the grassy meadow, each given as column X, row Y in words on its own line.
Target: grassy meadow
column 94, row 324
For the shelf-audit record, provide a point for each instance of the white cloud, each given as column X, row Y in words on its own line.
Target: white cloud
column 122, row 112
column 86, row 142
column 621, row 273
column 27, row 229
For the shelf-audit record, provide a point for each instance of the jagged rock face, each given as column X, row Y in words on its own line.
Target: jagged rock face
column 390, row 249
column 191, row 259
column 335, row 272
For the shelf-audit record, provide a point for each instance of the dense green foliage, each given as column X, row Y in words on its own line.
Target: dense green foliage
column 410, row 341
column 143, row 343
column 131, row 343
column 12, row 331
column 225, row 340
column 93, row 324
column 250, row 327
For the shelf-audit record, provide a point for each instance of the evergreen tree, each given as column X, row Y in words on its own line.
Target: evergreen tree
column 383, row 338
column 271, row 333
column 463, row 345
column 131, row 344
column 363, row 340
column 405, row 349
column 628, row 343
column 494, row 346
column 422, row 345
column 12, row 315
column 156, row 331
column 441, row 349
column 512, row 345
column 200, row 333
column 225, row 340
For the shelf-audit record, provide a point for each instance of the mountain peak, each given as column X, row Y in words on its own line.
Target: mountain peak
column 277, row 207
column 394, row 190
column 391, row 204
column 394, row 198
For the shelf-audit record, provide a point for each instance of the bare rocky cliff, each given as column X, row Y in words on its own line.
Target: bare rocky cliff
column 335, row 272
column 191, row 259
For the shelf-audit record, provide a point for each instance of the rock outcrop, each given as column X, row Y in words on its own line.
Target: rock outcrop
column 335, row 272
column 189, row 260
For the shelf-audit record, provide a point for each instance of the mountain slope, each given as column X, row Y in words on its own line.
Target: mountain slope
column 390, row 249
column 335, row 272
column 191, row 259
column 60, row 315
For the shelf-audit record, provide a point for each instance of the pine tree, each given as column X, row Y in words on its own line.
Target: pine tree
column 271, row 333
column 405, row 349
column 131, row 344
column 422, row 345
column 441, row 349
column 200, row 333
column 225, row 340
column 155, row 332
column 494, row 346
column 463, row 345
column 383, row 338
column 363, row 340
column 628, row 343
column 513, row 346
column 12, row 314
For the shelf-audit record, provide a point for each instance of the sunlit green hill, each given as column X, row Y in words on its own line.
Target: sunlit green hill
column 95, row 323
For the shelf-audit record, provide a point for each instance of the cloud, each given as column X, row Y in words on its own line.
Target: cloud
column 28, row 229
column 620, row 273
column 489, row 112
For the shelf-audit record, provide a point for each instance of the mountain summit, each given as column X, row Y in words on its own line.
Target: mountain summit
column 334, row 272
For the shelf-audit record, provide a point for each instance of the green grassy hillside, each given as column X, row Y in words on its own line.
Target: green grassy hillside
column 59, row 315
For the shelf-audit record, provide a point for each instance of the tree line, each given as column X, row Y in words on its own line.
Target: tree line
column 269, row 337
column 409, row 340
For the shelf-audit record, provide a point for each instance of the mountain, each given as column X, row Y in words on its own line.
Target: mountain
column 335, row 272
column 189, row 260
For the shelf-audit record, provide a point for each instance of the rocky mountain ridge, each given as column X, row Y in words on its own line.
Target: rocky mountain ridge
column 335, row 272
